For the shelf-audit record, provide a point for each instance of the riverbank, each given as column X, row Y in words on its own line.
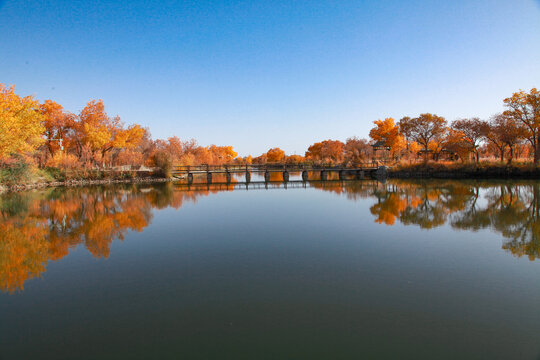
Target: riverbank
column 464, row 171
column 81, row 182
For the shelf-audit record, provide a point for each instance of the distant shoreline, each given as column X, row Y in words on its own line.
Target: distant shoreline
column 464, row 171
column 81, row 182
column 417, row 171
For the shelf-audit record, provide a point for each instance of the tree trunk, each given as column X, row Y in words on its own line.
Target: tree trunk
column 511, row 155
column 537, row 149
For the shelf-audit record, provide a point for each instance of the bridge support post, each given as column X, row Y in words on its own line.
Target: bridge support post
column 304, row 175
column 266, row 176
column 209, row 178
column 285, row 176
column 341, row 174
column 248, row 177
column 360, row 174
column 381, row 172
column 190, row 178
column 228, row 176
column 324, row 175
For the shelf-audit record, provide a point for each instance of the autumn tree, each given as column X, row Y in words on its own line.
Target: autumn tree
column 357, row 151
column 21, row 126
column 326, row 151
column 102, row 134
column 222, row 154
column 275, row 155
column 294, row 159
column 261, row 159
column 473, row 131
column 405, row 128
column 388, row 132
column 493, row 131
column 505, row 132
column 424, row 129
column 58, row 124
column 456, row 142
column 524, row 108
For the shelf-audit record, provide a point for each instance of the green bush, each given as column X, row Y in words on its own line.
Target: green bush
column 164, row 163
column 16, row 171
column 55, row 173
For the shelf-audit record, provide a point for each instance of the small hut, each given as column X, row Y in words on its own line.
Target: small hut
column 381, row 151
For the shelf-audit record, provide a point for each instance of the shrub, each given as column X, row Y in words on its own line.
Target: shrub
column 14, row 170
column 163, row 161
column 67, row 164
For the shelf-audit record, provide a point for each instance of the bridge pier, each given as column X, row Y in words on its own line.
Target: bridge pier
column 362, row 171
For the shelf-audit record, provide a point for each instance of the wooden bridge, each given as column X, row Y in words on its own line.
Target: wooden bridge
column 371, row 169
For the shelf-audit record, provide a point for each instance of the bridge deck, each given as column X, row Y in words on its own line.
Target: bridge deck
column 225, row 169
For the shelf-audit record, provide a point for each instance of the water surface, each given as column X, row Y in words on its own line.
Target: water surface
column 336, row 269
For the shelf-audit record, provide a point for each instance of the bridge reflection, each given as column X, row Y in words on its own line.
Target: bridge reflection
column 267, row 185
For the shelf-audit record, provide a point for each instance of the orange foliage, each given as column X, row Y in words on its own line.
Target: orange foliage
column 388, row 132
column 58, row 125
column 275, row 155
column 328, row 151
column 20, row 123
column 64, row 161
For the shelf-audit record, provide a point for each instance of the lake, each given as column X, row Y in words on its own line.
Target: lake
column 316, row 270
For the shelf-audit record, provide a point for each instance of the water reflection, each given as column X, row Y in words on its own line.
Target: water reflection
column 39, row 226
column 36, row 227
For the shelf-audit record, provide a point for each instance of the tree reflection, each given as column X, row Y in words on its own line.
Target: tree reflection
column 36, row 227
column 39, row 226
column 509, row 208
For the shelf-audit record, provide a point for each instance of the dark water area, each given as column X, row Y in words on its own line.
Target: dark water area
column 314, row 270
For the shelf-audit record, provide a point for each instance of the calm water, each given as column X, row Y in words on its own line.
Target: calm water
column 334, row 270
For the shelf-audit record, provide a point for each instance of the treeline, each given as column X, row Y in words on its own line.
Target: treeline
column 516, row 130
column 44, row 135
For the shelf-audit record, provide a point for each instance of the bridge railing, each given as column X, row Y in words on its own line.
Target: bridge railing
column 271, row 166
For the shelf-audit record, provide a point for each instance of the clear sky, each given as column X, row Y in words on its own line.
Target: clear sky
column 259, row 74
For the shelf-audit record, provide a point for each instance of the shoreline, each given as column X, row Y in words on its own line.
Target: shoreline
column 414, row 172
column 80, row 182
column 464, row 172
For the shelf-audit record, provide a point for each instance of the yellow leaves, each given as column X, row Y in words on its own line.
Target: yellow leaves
column 64, row 161
column 414, row 147
column 327, row 151
column 21, row 126
column 388, row 132
column 131, row 137
column 275, row 155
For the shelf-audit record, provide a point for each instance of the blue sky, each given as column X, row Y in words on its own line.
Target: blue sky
column 259, row 74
